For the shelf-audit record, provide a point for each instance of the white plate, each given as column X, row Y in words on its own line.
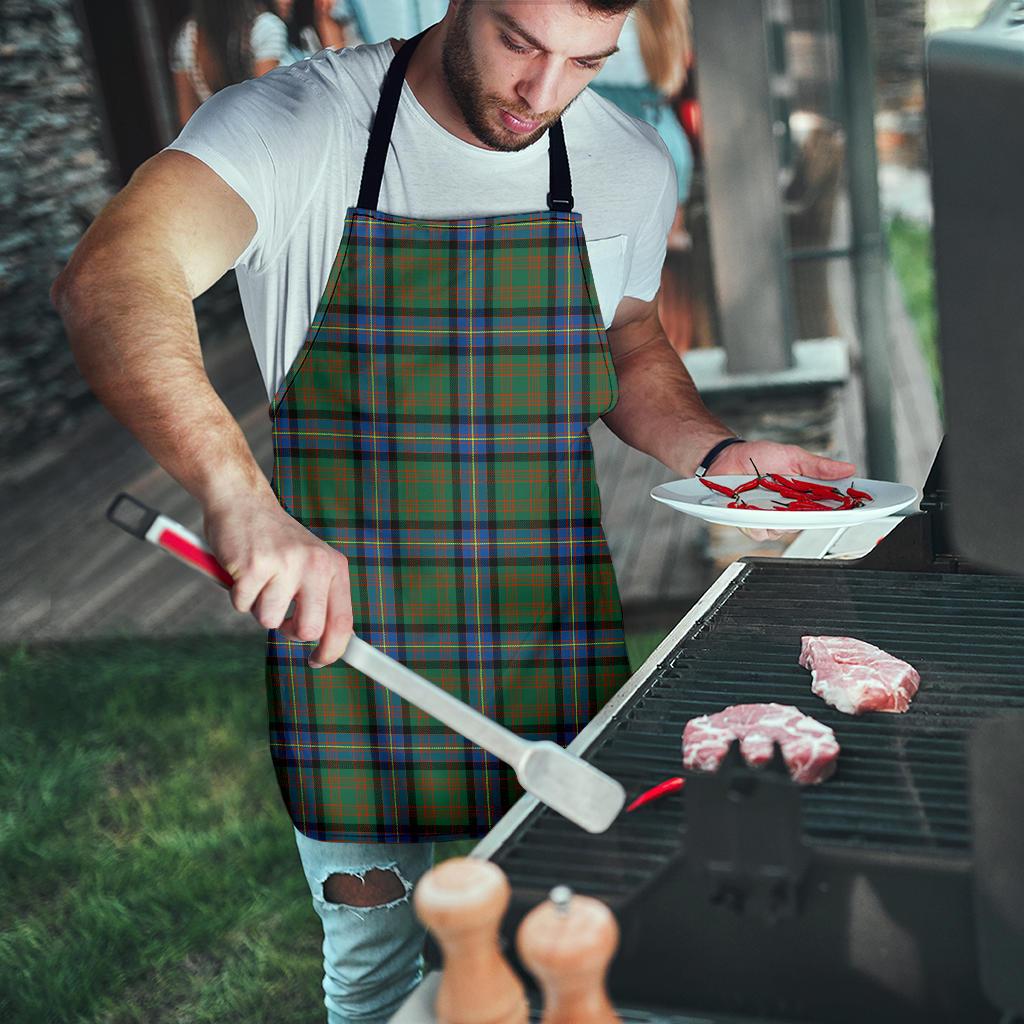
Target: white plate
column 693, row 498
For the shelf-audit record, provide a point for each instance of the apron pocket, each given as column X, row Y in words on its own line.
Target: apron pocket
column 608, row 265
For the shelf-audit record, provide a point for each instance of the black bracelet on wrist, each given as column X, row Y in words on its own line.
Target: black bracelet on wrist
column 705, row 463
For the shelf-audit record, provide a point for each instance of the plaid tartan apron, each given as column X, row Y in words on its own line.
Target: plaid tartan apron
column 433, row 428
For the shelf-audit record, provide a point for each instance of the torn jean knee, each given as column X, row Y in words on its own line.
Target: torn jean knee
column 372, row 955
column 391, row 867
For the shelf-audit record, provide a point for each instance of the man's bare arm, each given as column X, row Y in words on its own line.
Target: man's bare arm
column 126, row 301
column 659, row 410
column 661, row 413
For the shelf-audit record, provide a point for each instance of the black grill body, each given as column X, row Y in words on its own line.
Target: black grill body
column 847, row 901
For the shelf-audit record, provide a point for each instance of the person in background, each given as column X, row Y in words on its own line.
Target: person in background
column 649, row 72
column 375, row 20
column 312, row 26
column 221, row 43
column 644, row 78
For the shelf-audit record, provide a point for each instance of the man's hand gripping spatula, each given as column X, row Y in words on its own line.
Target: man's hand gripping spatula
column 564, row 782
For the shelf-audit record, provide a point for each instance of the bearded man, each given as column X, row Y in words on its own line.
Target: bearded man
column 448, row 252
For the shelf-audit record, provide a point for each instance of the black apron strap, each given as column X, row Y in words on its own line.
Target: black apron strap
column 559, row 186
column 383, row 122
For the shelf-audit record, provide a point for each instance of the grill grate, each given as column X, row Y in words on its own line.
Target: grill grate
column 901, row 784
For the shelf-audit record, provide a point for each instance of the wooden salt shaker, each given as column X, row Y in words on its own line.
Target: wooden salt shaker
column 567, row 943
column 462, row 901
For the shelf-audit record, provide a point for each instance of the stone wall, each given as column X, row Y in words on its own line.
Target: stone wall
column 54, row 178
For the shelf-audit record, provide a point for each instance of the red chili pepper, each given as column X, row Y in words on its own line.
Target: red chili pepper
column 717, row 487
column 809, row 487
column 750, row 485
column 806, row 505
column 863, row 495
column 661, row 789
column 760, row 477
column 786, row 492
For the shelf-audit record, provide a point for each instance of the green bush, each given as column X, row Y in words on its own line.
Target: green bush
column 910, row 248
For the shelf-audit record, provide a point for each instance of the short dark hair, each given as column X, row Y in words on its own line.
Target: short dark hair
column 608, row 7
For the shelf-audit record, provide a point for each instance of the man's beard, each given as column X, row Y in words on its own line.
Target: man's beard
column 465, row 84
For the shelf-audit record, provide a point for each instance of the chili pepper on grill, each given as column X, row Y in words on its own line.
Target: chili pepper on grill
column 661, row 789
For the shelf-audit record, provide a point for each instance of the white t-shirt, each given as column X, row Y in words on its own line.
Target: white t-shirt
column 268, row 40
column 292, row 143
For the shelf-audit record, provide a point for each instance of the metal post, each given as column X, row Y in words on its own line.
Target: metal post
column 742, row 173
column 154, row 63
column 857, row 70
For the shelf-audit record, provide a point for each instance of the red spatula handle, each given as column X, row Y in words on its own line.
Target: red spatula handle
column 147, row 524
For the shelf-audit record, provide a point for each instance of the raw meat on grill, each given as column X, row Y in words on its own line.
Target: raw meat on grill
column 855, row 677
column 808, row 747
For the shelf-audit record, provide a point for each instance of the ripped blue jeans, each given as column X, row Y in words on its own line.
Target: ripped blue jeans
column 373, row 956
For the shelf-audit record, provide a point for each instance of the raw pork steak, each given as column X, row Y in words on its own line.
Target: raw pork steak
column 855, row 677
column 808, row 747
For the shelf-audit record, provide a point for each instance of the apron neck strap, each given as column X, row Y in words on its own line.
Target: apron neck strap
column 383, row 122
column 560, row 186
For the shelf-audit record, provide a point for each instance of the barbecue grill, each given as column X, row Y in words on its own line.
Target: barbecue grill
column 747, row 897
column 895, row 890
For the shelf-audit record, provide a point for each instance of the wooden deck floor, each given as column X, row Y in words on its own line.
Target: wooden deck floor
column 69, row 573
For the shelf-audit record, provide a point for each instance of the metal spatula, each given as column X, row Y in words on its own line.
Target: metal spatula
column 567, row 784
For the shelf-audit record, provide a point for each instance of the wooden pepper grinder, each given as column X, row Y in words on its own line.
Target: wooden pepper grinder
column 462, row 901
column 567, row 943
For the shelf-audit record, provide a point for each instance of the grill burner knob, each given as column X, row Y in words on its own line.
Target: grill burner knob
column 567, row 943
column 462, row 902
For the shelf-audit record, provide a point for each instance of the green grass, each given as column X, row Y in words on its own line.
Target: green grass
column 640, row 646
column 910, row 248
column 149, row 870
